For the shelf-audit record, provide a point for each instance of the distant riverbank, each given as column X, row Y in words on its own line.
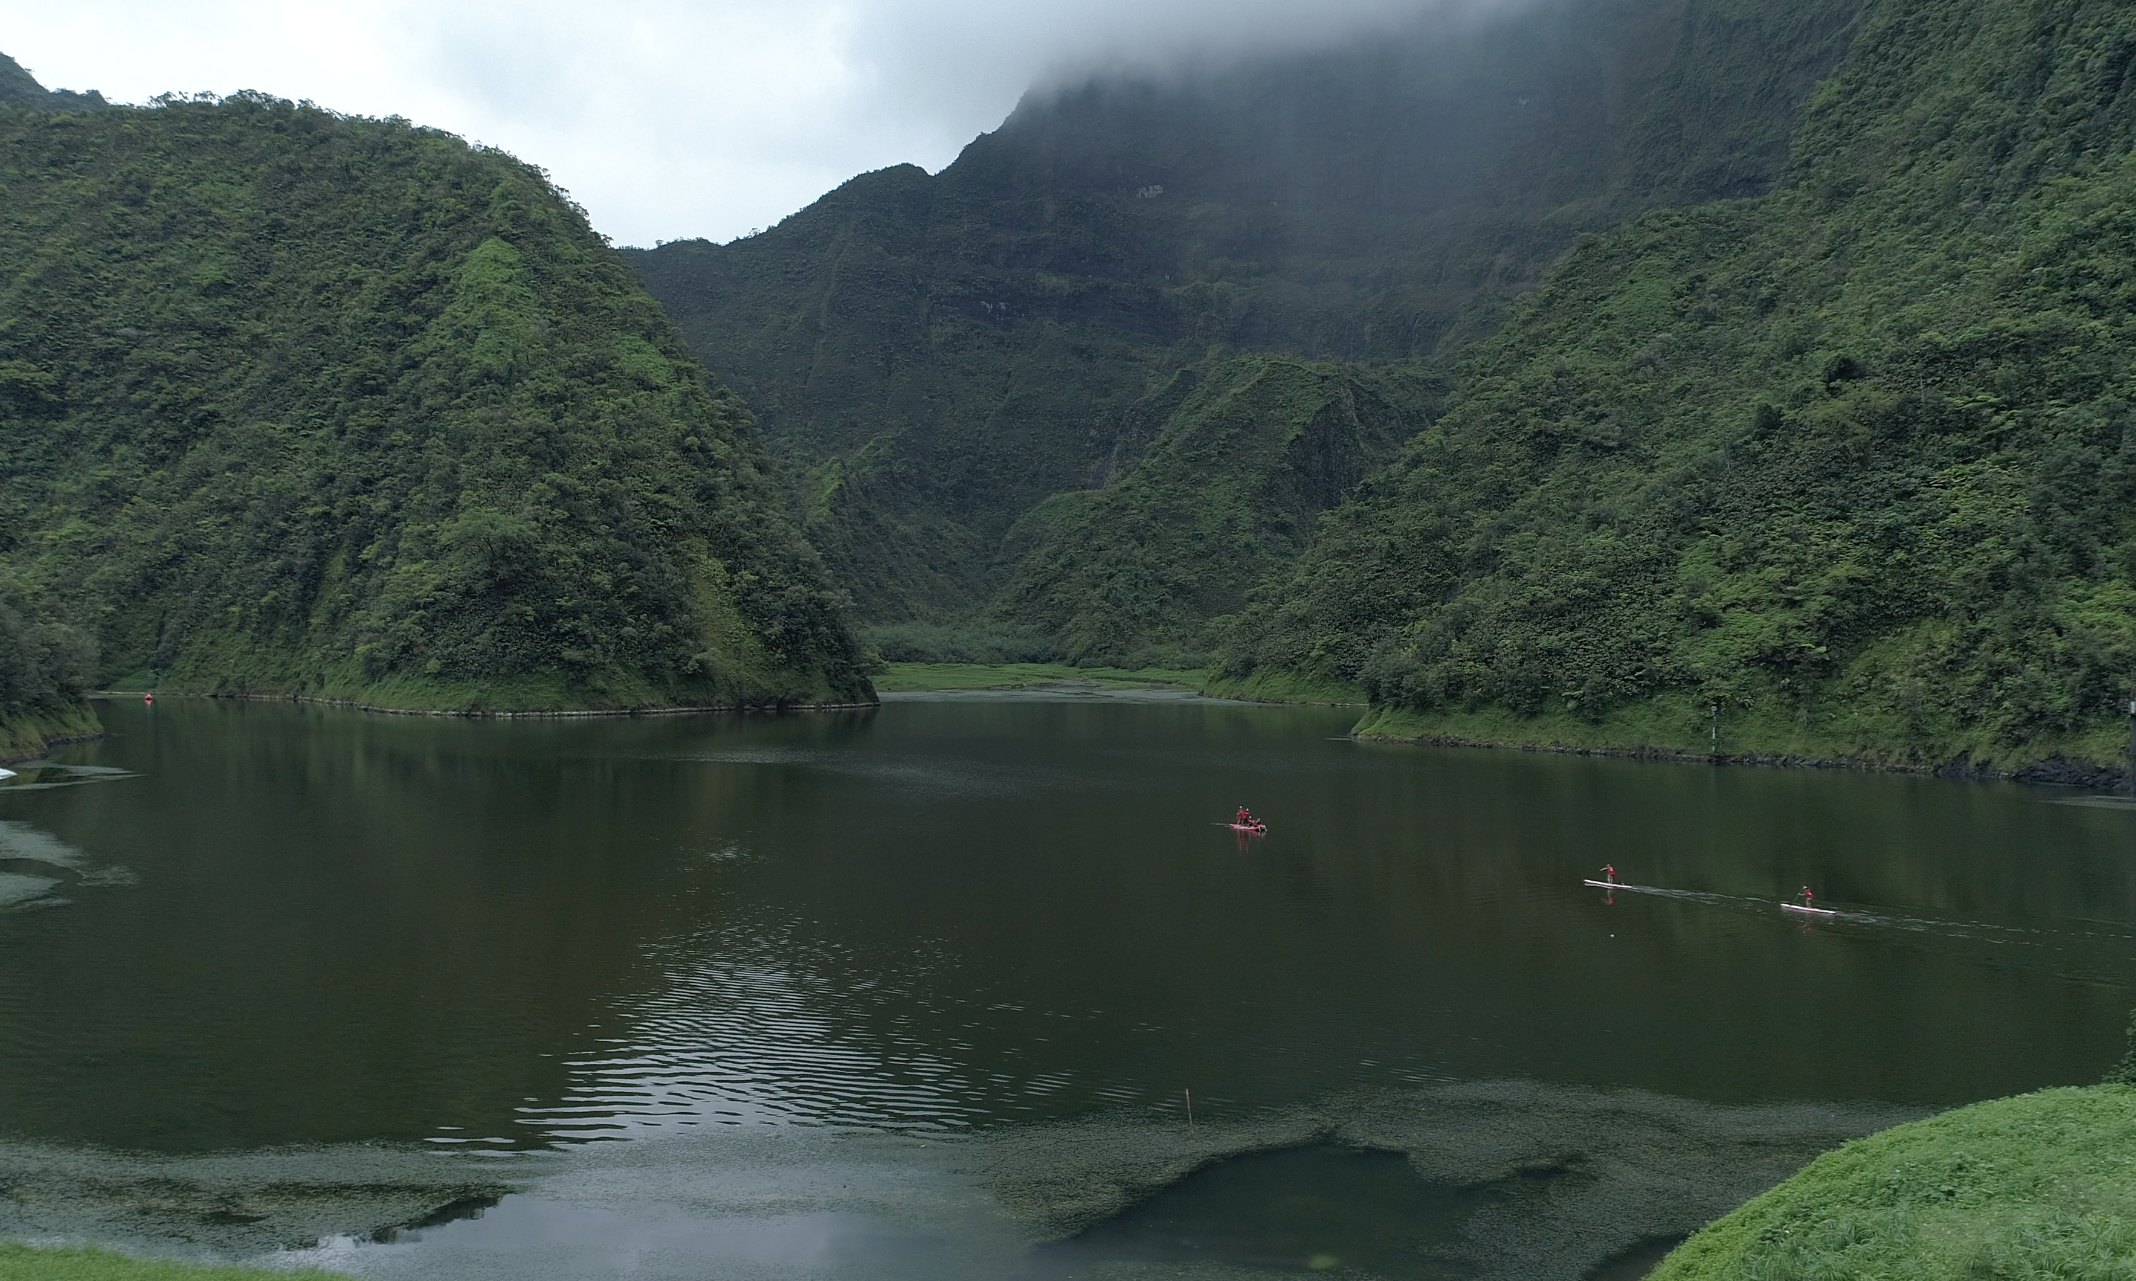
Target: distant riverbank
column 909, row 678
column 1684, row 730
column 516, row 696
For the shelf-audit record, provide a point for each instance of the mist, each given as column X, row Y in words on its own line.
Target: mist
column 670, row 119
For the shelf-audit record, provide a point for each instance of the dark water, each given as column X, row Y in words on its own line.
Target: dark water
column 925, row 989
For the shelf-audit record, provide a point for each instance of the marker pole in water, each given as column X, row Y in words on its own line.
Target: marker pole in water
column 1190, row 1107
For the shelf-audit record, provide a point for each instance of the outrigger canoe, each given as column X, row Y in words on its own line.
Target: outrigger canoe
column 1256, row 829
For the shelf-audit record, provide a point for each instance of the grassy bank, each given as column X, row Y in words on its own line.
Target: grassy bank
column 24, row 1263
column 2042, row 1185
column 917, row 677
column 27, row 735
column 1273, row 685
column 548, row 693
column 1683, row 726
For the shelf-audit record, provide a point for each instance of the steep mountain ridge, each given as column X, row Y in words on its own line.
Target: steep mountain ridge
column 304, row 403
column 1241, row 453
column 938, row 354
column 18, row 88
column 1848, row 470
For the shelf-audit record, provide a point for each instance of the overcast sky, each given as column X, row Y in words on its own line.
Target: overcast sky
column 665, row 118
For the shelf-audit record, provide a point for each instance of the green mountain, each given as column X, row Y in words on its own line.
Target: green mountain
column 300, row 403
column 1219, row 491
column 1853, row 462
column 18, row 88
column 936, row 356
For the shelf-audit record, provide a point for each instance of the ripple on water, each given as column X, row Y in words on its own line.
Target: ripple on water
column 745, row 1040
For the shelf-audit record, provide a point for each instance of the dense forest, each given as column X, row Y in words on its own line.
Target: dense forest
column 1854, row 462
column 1680, row 374
column 934, row 356
column 1765, row 368
column 296, row 402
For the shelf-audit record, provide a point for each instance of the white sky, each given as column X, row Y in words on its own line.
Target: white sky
column 665, row 118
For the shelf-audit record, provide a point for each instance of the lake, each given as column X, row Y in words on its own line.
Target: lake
column 979, row 985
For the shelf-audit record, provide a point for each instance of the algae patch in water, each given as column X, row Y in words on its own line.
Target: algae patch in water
column 1505, row 1179
column 1482, row 1181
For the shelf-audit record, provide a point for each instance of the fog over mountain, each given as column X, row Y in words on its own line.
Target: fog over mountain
column 678, row 118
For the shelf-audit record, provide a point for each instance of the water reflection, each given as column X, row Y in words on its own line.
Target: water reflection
column 977, row 916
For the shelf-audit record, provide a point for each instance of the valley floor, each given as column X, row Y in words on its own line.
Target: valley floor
column 909, row 678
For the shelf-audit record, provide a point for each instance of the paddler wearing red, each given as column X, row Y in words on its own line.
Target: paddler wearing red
column 1609, row 873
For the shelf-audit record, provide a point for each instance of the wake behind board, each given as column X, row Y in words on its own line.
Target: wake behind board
column 1808, row 911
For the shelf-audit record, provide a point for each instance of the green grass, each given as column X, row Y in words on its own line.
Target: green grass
column 25, row 735
column 1274, row 685
column 912, row 677
column 27, row 1263
column 2041, row 1185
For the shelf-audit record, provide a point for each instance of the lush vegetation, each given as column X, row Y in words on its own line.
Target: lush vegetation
column 84, row 1263
column 296, row 402
column 1854, row 462
column 45, row 669
column 962, row 368
column 1220, row 489
column 2035, row 1186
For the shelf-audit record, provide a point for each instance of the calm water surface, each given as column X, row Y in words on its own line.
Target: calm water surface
column 924, row 991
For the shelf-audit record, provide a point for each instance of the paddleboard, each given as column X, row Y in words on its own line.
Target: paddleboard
column 7, row 773
column 1258, row 829
column 1607, row 885
column 1813, row 911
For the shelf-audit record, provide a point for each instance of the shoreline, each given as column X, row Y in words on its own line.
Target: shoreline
column 29, row 736
column 486, row 713
column 2056, row 770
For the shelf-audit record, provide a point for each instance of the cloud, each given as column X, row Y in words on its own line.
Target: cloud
column 670, row 118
